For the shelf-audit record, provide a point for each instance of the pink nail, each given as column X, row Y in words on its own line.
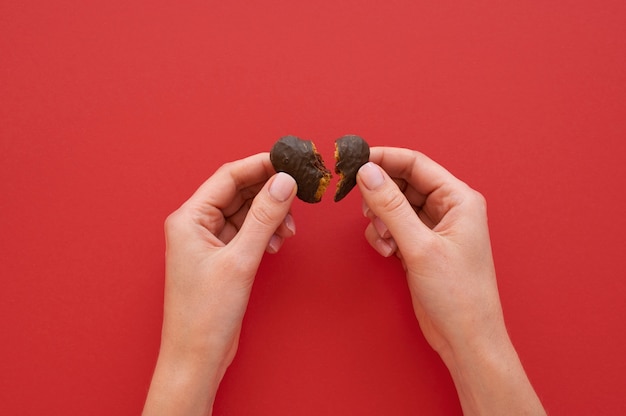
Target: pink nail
column 384, row 248
column 290, row 224
column 282, row 186
column 381, row 228
column 371, row 176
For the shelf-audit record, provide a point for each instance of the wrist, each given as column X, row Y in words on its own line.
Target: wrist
column 473, row 347
column 489, row 378
column 185, row 381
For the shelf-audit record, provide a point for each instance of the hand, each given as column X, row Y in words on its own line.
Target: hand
column 437, row 226
column 214, row 244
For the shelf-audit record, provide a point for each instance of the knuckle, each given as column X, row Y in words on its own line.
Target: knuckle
column 175, row 228
column 227, row 170
column 173, row 222
column 392, row 201
column 262, row 214
column 226, row 166
column 478, row 200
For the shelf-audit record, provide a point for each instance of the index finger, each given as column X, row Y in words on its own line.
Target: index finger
column 430, row 187
column 418, row 170
column 233, row 183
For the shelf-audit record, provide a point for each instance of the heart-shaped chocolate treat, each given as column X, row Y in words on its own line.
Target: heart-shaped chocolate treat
column 300, row 159
column 351, row 152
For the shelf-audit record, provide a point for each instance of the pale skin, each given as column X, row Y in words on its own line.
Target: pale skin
column 434, row 223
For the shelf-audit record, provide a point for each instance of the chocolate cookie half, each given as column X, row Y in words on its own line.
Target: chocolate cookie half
column 351, row 152
column 300, row 159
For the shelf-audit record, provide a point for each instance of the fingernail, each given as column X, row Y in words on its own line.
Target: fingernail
column 290, row 224
column 274, row 244
column 366, row 209
column 384, row 248
column 282, row 186
column 371, row 176
column 381, row 228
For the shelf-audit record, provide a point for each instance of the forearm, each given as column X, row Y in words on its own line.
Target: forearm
column 183, row 385
column 490, row 380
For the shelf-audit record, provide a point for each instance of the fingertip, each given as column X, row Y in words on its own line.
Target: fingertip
column 282, row 187
column 388, row 208
column 371, row 176
column 367, row 212
column 274, row 244
column 386, row 247
column 290, row 224
column 381, row 228
column 383, row 247
column 267, row 223
column 287, row 228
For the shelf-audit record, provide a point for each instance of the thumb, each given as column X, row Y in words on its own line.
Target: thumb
column 267, row 212
column 387, row 202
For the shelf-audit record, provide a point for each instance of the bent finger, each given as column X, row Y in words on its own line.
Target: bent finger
column 227, row 183
column 420, row 171
column 432, row 189
column 386, row 247
column 385, row 201
column 266, row 215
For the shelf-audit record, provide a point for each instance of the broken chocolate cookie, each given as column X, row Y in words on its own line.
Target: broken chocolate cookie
column 351, row 152
column 300, row 159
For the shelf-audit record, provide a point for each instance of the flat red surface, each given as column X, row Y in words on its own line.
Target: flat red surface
column 112, row 113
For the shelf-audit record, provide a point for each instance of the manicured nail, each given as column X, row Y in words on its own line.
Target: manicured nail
column 371, row 176
column 274, row 244
column 282, row 186
column 366, row 209
column 383, row 247
column 381, row 228
column 290, row 224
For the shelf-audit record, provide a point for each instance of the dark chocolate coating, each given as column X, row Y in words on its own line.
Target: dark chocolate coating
column 299, row 159
column 352, row 153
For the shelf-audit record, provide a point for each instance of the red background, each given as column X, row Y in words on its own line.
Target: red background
column 112, row 113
